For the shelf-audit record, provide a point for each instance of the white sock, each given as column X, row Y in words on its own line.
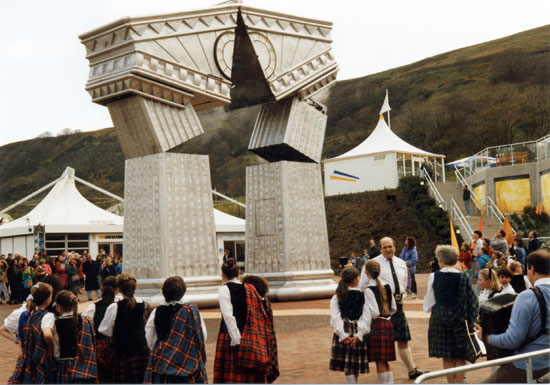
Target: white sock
column 350, row 379
column 406, row 357
column 382, row 378
column 389, row 377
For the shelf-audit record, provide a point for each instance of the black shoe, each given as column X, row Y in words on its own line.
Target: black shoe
column 415, row 374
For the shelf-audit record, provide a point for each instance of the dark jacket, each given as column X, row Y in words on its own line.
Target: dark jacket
column 91, row 270
column 465, row 195
column 534, row 245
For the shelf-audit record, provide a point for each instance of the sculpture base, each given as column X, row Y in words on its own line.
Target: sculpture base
column 300, row 285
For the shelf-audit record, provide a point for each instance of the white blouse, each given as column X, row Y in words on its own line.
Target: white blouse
column 508, row 289
column 12, row 321
column 484, row 295
column 108, row 324
column 429, row 299
column 48, row 321
column 151, row 330
column 226, row 308
column 337, row 323
column 90, row 311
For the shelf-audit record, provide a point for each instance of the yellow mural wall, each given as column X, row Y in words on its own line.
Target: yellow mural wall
column 545, row 188
column 513, row 195
column 479, row 192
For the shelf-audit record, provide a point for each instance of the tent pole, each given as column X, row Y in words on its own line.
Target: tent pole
column 98, row 189
column 443, row 168
column 30, row 196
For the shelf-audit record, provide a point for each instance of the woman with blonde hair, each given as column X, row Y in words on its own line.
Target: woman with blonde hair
column 488, row 282
column 380, row 340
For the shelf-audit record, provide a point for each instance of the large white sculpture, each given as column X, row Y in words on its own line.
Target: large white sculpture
column 153, row 73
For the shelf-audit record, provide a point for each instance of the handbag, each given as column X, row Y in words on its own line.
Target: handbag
column 477, row 345
column 75, row 277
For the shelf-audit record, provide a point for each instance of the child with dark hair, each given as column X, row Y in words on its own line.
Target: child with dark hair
column 125, row 322
column 504, row 278
column 35, row 365
column 350, row 319
column 380, row 340
column 176, row 335
column 73, row 341
column 241, row 308
column 262, row 287
column 105, row 345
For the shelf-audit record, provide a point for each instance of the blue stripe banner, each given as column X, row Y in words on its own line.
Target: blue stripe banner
column 344, row 174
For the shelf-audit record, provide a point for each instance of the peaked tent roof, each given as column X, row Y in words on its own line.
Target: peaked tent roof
column 382, row 140
column 65, row 210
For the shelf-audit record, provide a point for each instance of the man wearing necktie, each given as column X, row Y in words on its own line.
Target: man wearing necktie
column 393, row 271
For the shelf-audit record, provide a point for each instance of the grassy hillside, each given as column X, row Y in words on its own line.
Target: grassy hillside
column 492, row 93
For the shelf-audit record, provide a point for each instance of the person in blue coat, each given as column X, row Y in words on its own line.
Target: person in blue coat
column 410, row 256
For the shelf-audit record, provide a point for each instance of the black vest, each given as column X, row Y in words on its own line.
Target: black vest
column 164, row 319
column 352, row 308
column 238, row 300
column 129, row 330
column 518, row 283
column 68, row 348
column 446, row 289
column 100, row 309
column 376, row 293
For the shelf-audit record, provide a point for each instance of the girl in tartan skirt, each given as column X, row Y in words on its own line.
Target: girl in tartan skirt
column 104, row 345
column 237, row 302
column 453, row 305
column 176, row 335
column 125, row 322
column 34, row 365
column 350, row 318
column 262, row 287
column 73, row 342
column 380, row 340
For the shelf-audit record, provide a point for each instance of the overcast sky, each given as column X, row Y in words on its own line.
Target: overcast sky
column 43, row 69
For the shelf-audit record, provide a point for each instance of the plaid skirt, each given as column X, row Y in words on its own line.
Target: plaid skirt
column 381, row 341
column 344, row 358
column 129, row 369
column 62, row 375
column 197, row 378
column 447, row 336
column 226, row 368
column 400, row 325
column 105, row 350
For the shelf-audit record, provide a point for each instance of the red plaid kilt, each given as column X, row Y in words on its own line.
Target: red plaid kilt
column 129, row 369
column 344, row 358
column 105, row 351
column 381, row 341
column 239, row 364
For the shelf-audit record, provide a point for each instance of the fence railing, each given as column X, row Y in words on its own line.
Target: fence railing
column 481, row 365
column 509, row 154
column 451, row 207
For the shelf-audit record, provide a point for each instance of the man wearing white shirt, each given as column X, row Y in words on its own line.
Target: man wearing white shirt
column 393, row 272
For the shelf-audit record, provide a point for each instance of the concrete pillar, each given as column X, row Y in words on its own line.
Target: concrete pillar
column 286, row 231
column 169, row 225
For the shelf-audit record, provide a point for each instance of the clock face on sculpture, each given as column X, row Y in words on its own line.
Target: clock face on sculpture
column 223, row 52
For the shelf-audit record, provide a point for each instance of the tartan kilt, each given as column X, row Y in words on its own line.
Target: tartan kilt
column 105, row 351
column 226, row 370
column 381, row 341
column 447, row 336
column 196, row 378
column 129, row 368
column 344, row 358
column 400, row 325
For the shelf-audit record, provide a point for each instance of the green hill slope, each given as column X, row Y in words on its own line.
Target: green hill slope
column 455, row 103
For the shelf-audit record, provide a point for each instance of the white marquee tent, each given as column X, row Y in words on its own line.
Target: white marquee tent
column 71, row 222
column 377, row 163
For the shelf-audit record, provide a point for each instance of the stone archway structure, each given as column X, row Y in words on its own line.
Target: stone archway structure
column 153, row 73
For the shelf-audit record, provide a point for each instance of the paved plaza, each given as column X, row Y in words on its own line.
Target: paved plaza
column 304, row 339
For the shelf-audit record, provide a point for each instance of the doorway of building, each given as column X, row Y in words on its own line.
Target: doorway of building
column 236, row 251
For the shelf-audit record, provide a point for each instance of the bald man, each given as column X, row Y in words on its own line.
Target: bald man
column 393, row 272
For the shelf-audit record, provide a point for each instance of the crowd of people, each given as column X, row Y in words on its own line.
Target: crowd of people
column 120, row 339
column 368, row 319
column 19, row 274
